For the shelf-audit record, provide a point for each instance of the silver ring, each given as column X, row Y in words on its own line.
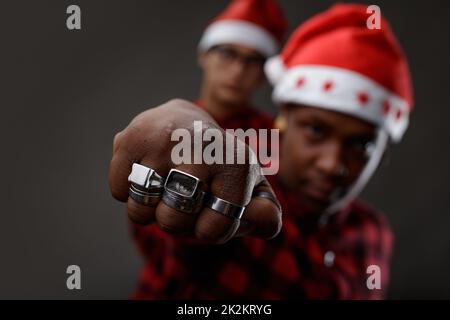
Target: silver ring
column 145, row 177
column 146, row 185
column 225, row 207
column 183, row 192
column 145, row 198
column 269, row 196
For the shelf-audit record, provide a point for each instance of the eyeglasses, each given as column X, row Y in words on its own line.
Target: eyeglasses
column 229, row 55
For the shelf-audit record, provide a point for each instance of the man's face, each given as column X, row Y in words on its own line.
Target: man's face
column 322, row 153
column 232, row 72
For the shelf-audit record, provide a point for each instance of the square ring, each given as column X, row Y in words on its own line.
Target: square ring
column 182, row 183
column 144, row 177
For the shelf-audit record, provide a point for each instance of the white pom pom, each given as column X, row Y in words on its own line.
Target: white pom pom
column 274, row 69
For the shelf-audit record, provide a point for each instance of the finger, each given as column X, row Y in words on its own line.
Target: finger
column 116, row 141
column 233, row 184
column 128, row 148
column 119, row 170
column 174, row 221
column 138, row 212
column 262, row 218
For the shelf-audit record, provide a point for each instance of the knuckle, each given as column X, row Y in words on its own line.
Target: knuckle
column 177, row 101
column 235, row 183
column 117, row 140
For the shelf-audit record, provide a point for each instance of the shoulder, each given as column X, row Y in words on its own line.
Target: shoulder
column 372, row 223
column 259, row 119
column 362, row 212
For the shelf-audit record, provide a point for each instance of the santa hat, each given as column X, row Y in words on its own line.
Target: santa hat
column 334, row 61
column 258, row 24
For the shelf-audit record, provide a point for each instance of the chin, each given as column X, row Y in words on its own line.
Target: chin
column 232, row 99
column 313, row 206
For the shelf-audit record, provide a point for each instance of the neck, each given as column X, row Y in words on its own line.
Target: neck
column 218, row 109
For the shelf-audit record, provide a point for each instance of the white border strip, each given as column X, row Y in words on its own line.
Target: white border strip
column 239, row 32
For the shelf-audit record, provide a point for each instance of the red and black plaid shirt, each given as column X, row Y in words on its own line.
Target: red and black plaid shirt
column 306, row 260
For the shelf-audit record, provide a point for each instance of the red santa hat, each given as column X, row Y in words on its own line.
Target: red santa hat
column 258, row 24
column 335, row 61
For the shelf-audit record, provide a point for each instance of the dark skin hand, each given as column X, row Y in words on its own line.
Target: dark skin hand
column 147, row 140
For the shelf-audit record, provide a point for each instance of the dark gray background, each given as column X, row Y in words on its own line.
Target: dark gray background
column 64, row 95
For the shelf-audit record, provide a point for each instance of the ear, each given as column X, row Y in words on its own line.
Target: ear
column 284, row 111
column 281, row 121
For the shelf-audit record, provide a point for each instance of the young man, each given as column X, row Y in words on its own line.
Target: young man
column 345, row 93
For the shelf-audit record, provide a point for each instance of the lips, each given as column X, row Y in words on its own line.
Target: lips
column 317, row 194
column 320, row 192
column 233, row 87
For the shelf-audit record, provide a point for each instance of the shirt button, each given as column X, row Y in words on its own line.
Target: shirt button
column 328, row 258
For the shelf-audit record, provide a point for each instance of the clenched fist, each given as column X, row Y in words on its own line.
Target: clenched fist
column 147, row 141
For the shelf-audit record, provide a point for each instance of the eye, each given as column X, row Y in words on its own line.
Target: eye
column 363, row 147
column 254, row 61
column 227, row 53
column 314, row 131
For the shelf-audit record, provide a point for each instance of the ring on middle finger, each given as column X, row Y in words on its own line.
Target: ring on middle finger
column 183, row 192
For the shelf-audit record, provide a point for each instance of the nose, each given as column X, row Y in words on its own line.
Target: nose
column 330, row 160
column 238, row 67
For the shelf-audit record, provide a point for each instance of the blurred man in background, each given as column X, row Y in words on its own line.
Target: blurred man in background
column 232, row 53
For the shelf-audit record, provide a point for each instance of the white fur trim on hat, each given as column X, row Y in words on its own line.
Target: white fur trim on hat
column 274, row 69
column 344, row 91
column 239, row 32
